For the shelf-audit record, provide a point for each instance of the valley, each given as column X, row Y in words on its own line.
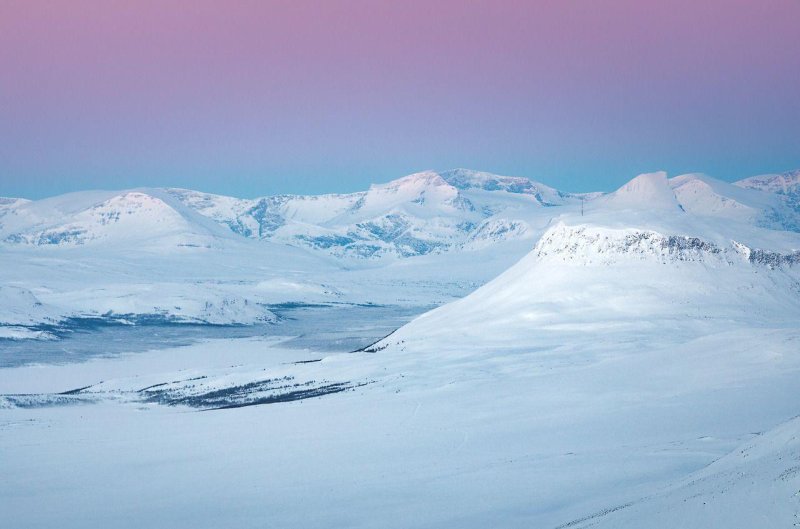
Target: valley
column 487, row 349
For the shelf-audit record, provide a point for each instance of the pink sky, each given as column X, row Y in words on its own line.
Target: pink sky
column 292, row 96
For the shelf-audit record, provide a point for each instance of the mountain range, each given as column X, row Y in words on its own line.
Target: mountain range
column 427, row 238
column 422, row 213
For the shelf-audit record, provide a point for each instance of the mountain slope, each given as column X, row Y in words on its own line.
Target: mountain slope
column 756, row 485
column 656, row 331
column 465, row 179
column 581, row 280
column 785, row 186
column 651, row 191
column 653, row 196
column 147, row 216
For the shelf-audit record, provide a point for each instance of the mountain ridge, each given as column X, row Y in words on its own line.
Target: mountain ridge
column 422, row 213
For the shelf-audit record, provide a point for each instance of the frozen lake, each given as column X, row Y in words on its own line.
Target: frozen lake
column 324, row 328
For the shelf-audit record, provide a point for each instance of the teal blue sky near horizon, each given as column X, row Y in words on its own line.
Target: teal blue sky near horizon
column 250, row 98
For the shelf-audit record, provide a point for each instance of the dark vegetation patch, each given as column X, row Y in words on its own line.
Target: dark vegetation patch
column 267, row 391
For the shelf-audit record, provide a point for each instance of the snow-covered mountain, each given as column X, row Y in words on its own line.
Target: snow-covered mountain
column 663, row 318
column 704, row 198
column 787, row 183
column 149, row 217
column 688, row 254
column 423, row 213
column 585, row 276
column 425, row 238
column 418, row 214
column 786, row 186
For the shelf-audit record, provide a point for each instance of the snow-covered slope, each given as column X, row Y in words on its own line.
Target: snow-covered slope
column 756, row 485
column 635, row 284
column 706, row 196
column 785, row 186
column 702, row 196
column 8, row 203
column 148, row 217
column 784, row 183
column 663, row 303
column 465, row 179
column 651, row 191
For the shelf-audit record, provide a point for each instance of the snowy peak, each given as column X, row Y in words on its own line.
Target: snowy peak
column 413, row 182
column 417, row 214
column 8, row 206
column 650, row 191
column 656, row 197
column 421, row 189
column 82, row 218
column 9, row 201
column 467, row 179
column 786, row 187
column 462, row 180
column 208, row 204
column 702, row 195
column 784, row 183
column 132, row 204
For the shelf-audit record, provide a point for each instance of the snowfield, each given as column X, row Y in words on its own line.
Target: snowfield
column 756, row 485
column 624, row 359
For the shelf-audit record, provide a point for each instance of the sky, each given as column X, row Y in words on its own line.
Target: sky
column 251, row 98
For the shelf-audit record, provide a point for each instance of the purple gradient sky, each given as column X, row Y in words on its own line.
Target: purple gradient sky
column 261, row 97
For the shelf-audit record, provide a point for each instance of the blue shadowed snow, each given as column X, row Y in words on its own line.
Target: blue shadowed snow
column 325, row 328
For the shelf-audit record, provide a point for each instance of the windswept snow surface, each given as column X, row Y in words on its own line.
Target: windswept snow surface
column 636, row 367
column 534, row 438
column 756, row 485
